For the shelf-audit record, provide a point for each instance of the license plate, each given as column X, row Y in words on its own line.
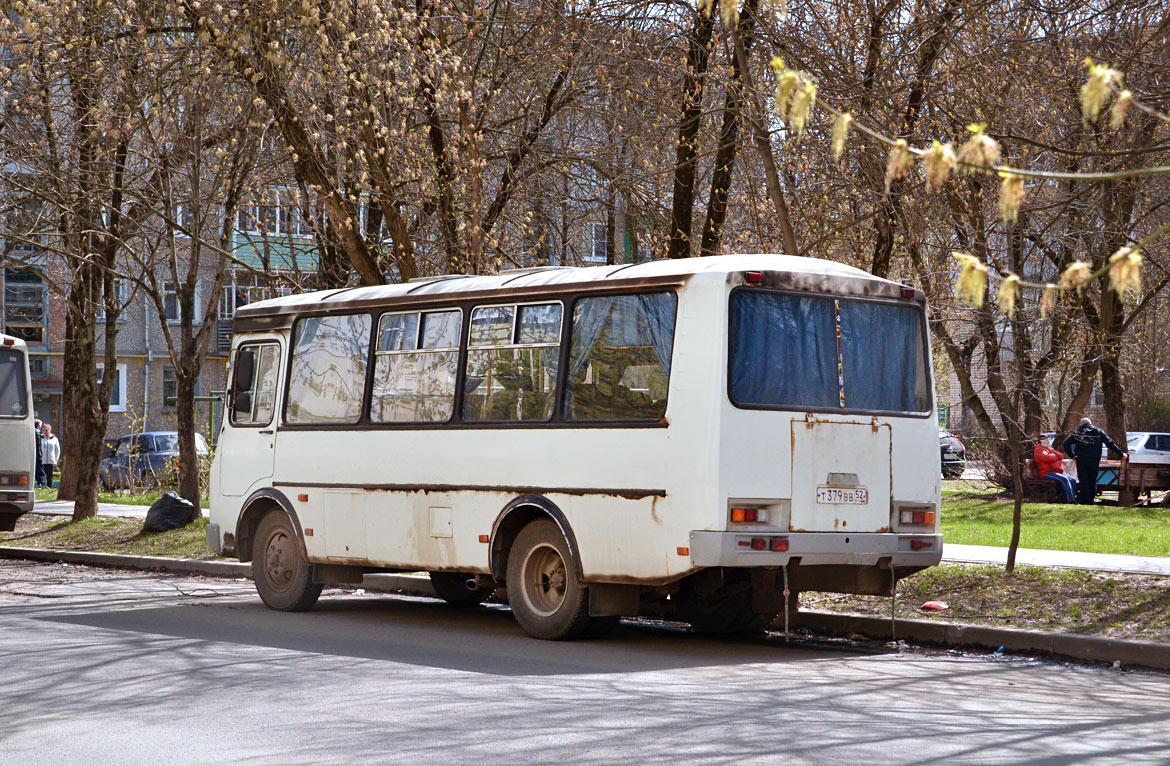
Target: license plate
column 837, row 496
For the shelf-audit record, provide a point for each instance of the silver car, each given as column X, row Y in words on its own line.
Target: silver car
column 1147, row 447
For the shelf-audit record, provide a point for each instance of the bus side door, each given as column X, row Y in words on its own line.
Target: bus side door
column 246, row 450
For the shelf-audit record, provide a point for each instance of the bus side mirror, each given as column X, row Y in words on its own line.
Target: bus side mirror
column 242, row 402
column 245, row 368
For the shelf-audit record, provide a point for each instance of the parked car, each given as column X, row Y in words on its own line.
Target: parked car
column 954, row 455
column 1146, row 447
column 144, row 459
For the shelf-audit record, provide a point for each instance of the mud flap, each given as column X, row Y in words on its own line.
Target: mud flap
column 608, row 599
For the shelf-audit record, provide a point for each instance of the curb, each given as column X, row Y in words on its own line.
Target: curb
column 412, row 585
column 1147, row 654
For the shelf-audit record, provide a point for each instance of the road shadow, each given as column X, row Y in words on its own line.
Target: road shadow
column 431, row 633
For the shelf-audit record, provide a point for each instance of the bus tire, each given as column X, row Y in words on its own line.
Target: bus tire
column 452, row 588
column 283, row 579
column 546, row 597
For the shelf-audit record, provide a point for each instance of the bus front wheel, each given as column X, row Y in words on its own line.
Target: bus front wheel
column 283, row 579
column 546, row 597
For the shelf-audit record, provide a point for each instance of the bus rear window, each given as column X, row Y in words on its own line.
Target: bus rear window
column 13, row 394
column 785, row 353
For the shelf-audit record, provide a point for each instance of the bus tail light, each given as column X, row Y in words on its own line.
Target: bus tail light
column 14, row 480
column 917, row 517
column 754, row 277
column 9, row 342
column 749, row 515
column 918, row 545
column 774, row 544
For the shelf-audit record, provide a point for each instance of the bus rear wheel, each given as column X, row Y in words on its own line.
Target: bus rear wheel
column 546, row 597
column 283, row 579
column 452, row 588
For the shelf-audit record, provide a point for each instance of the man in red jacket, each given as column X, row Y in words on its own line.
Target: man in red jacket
column 1050, row 465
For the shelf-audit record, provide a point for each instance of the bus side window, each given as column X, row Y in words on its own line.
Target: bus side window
column 254, row 387
column 512, row 359
column 415, row 367
column 242, row 386
column 619, row 357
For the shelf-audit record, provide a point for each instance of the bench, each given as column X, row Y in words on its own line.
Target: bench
column 1045, row 490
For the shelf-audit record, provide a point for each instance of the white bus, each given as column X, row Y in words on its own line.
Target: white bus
column 687, row 439
column 17, row 433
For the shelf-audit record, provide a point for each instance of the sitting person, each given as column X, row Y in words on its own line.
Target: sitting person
column 1050, row 465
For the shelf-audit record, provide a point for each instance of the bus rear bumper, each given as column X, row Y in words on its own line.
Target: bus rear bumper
column 885, row 549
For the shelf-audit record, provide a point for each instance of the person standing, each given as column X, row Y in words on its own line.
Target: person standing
column 1084, row 444
column 1050, row 465
column 50, row 453
column 39, row 473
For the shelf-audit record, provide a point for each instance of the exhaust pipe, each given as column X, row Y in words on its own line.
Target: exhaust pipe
column 480, row 582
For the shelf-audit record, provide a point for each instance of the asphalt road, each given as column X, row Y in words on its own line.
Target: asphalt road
column 110, row 667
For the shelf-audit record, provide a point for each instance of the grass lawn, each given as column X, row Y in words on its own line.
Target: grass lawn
column 985, row 518
column 108, row 534
column 1035, row 598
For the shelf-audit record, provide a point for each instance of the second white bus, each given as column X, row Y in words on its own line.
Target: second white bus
column 683, row 439
column 17, row 433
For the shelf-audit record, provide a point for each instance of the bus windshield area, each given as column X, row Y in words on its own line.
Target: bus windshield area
column 811, row 352
column 13, row 394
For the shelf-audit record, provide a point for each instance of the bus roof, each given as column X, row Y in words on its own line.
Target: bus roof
column 805, row 273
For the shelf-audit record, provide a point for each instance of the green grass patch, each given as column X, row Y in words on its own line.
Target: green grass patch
column 1035, row 598
column 1142, row 531
column 968, row 488
column 108, row 534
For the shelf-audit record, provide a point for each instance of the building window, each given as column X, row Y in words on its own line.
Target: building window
column 170, row 389
column 118, row 393
column 24, row 305
column 171, row 301
column 598, row 248
column 38, row 367
column 171, row 308
column 121, row 295
column 183, row 221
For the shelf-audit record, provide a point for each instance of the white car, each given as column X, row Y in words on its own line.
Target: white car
column 1145, row 447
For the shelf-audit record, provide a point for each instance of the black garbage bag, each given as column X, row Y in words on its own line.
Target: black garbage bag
column 169, row 512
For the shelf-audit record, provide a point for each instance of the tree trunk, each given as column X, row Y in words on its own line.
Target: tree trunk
column 682, row 208
column 728, row 139
column 188, row 458
column 83, row 419
column 1017, row 507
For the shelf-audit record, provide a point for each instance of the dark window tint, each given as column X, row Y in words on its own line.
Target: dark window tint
column 328, row 371
column 619, row 357
column 13, row 390
column 785, row 352
column 883, row 357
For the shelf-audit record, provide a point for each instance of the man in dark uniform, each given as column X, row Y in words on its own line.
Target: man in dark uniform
column 1084, row 444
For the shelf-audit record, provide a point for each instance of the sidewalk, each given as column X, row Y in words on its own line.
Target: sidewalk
column 1099, row 562
column 65, row 508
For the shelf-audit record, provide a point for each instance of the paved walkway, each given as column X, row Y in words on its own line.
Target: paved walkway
column 65, row 508
column 1102, row 562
